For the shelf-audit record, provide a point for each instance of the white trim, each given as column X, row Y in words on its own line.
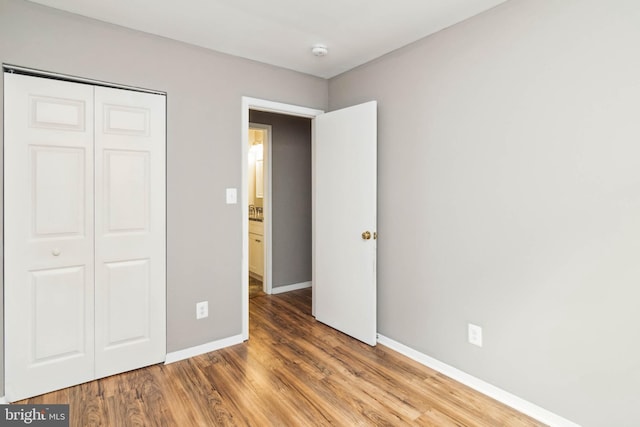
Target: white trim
column 244, row 208
column 8, row 68
column 3, row 400
column 280, row 108
column 187, row 353
column 289, row 288
column 268, row 213
column 273, row 107
column 477, row 384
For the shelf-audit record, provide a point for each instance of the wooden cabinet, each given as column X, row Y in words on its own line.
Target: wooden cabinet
column 256, row 249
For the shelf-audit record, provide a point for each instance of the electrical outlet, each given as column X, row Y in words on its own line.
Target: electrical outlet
column 475, row 334
column 202, row 310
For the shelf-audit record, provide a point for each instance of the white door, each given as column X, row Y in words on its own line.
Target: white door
column 129, row 229
column 84, row 218
column 345, row 190
column 48, row 226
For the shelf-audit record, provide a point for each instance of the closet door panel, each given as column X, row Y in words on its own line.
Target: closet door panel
column 127, row 288
column 48, row 223
column 130, row 230
column 58, row 305
column 58, row 184
column 126, row 179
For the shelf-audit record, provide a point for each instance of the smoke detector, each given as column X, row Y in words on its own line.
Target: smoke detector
column 319, row 50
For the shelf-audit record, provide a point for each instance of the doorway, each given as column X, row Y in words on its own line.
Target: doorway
column 260, row 213
column 344, row 175
column 259, row 105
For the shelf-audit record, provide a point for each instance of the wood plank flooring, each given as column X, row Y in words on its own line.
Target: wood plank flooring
column 255, row 287
column 293, row 371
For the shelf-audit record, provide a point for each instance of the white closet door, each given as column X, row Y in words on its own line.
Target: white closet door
column 48, row 226
column 130, row 230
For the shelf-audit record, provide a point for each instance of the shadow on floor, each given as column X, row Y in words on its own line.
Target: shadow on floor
column 255, row 287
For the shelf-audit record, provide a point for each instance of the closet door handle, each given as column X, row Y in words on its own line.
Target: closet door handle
column 55, row 252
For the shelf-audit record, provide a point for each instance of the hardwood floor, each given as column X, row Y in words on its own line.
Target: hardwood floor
column 293, row 371
column 255, row 287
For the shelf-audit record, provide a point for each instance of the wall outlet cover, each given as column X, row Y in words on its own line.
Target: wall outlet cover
column 475, row 334
column 202, row 310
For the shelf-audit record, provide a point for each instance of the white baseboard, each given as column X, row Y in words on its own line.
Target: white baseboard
column 176, row 356
column 477, row 384
column 3, row 400
column 288, row 288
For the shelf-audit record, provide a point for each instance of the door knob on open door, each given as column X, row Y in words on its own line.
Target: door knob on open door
column 366, row 235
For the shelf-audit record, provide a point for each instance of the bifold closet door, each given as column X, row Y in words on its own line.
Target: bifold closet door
column 84, row 218
column 129, row 230
column 48, row 232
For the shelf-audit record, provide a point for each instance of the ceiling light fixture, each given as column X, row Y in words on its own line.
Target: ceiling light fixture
column 319, row 50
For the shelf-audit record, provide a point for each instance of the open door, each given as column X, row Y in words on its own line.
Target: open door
column 345, row 197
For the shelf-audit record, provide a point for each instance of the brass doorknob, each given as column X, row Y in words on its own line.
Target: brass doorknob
column 366, row 235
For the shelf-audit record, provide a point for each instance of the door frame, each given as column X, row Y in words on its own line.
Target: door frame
column 266, row 203
column 249, row 103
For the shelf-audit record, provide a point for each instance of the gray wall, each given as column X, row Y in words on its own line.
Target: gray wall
column 509, row 196
column 291, row 196
column 204, row 90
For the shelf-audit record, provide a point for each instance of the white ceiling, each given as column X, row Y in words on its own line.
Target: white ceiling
column 282, row 32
